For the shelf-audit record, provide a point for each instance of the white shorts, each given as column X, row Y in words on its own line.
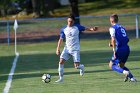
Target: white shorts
column 66, row 54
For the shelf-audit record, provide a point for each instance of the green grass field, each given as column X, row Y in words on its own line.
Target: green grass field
column 37, row 59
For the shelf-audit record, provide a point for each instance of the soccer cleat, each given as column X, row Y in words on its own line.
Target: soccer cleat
column 82, row 70
column 59, row 81
column 126, row 73
column 133, row 80
column 126, row 79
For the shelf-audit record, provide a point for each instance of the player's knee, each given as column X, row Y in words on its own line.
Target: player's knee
column 121, row 64
column 76, row 65
column 110, row 64
column 61, row 61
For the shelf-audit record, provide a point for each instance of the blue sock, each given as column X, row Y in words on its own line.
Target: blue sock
column 125, row 68
column 130, row 74
column 117, row 68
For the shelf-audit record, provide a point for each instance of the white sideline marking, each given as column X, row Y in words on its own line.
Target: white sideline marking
column 9, row 80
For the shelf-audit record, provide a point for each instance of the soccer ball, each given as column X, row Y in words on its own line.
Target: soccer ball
column 46, row 78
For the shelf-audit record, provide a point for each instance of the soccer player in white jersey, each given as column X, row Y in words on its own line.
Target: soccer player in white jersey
column 72, row 45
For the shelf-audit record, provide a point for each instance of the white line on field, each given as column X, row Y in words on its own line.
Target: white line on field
column 9, row 80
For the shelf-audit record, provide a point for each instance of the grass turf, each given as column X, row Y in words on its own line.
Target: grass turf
column 37, row 59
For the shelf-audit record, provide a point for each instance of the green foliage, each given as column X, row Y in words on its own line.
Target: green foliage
column 104, row 7
column 4, row 4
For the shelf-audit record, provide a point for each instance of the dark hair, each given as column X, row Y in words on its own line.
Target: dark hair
column 115, row 17
column 72, row 17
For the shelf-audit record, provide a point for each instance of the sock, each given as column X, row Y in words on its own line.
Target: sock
column 125, row 68
column 61, row 70
column 80, row 66
column 117, row 68
column 130, row 74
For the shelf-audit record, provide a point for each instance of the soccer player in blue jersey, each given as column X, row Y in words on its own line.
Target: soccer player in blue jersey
column 119, row 43
column 72, row 45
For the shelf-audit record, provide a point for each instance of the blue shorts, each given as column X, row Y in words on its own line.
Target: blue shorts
column 122, row 54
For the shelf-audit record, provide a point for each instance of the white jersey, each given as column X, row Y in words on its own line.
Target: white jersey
column 112, row 32
column 72, row 38
column 71, row 35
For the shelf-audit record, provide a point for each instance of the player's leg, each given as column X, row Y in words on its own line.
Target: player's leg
column 120, row 53
column 122, row 65
column 123, row 56
column 114, row 66
column 77, row 65
column 76, row 59
column 118, row 69
column 129, row 75
column 61, row 70
column 63, row 57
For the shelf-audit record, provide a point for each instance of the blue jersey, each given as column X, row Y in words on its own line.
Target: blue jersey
column 122, row 48
column 120, row 36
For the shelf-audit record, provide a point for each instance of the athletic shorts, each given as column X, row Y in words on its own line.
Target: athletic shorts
column 66, row 54
column 121, row 55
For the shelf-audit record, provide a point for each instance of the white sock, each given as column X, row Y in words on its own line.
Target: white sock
column 125, row 72
column 61, row 70
column 132, row 78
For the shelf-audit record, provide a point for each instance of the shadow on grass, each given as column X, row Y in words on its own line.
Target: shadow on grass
column 29, row 66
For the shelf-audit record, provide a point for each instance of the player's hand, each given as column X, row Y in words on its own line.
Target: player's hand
column 95, row 28
column 110, row 45
column 57, row 52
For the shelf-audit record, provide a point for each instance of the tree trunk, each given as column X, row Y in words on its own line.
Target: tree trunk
column 74, row 10
column 3, row 12
column 44, row 7
column 36, row 8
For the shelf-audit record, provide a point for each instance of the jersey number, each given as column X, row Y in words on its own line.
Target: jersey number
column 123, row 32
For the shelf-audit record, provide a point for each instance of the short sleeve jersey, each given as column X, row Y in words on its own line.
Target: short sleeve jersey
column 71, row 34
column 120, row 35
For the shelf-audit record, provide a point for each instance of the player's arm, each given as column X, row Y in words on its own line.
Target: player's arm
column 58, row 46
column 112, row 43
column 83, row 28
column 95, row 28
column 62, row 36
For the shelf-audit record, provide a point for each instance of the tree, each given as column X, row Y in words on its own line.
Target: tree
column 8, row 6
column 36, row 8
column 3, row 7
column 74, row 10
column 42, row 7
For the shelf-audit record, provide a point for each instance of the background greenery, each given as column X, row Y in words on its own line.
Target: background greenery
column 54, row 9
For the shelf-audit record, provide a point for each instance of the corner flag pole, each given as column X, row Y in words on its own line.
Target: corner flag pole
column 15, row 28
column 137, row 26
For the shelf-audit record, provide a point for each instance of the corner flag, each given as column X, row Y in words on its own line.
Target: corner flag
column 15, row 25
column 15, row 28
